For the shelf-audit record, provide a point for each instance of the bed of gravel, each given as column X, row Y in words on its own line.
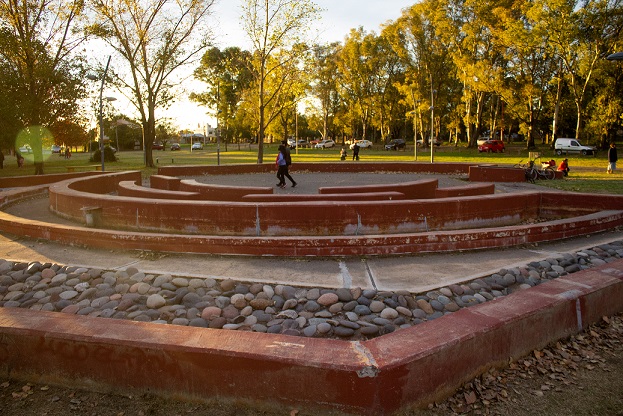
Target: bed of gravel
column 347, row 313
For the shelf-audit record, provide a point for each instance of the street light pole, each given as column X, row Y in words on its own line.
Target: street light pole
column 101, row 121
column 432, row 122
column 416, row 104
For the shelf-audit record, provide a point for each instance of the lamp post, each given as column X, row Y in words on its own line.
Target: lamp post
column 432, row 122
column 101, row 123
column 416, row 106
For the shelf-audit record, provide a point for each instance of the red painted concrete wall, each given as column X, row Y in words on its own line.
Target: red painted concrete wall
column 402, row 167
column 422, row 189
column 129, row 188
column 363, row 196
column 34, row 180
column 488, row 173
column 469, row 190
column 412, row 366
column 168, row 183
column 316, row 218
column 214, row 192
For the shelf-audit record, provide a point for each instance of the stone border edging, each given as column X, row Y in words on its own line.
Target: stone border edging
column 408, row 367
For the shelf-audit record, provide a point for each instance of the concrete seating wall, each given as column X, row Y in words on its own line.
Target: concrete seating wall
column 265, row 219
column 423, row 189
column 34, row 180
column 399, row 167
column 129, row 188
column 221, row 192
column 168, row 183
column 469, row 190
column 488, row 173
column 363, row 196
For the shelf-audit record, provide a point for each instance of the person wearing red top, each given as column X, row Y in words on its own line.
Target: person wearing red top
column 564, row 167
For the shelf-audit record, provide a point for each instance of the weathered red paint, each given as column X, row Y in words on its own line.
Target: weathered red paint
column 409, row 367
column 339, row 228
column 169, row 183
column 361, row 196
column 129, row 188
column 492, row 173
column 215, row 192
column 422, row 189
column 34, row 180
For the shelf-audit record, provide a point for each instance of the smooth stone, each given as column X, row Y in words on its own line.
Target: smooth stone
column 155, row 301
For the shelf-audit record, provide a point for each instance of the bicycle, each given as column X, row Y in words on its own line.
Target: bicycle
column 547, row 171
column 532, row 173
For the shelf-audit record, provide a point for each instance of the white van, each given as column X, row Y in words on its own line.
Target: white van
column 567, row 145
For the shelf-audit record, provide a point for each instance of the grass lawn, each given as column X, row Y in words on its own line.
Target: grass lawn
column 588, row 173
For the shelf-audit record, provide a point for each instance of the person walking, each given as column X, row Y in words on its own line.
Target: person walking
column 355, row 151
column 612, row 158
column 287, row 156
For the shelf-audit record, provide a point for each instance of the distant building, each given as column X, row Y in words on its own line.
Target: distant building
column 209, row 134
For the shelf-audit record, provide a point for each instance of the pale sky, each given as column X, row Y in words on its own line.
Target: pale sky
column 338, row 18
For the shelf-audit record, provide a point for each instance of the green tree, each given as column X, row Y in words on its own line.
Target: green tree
column 325, row 86
column 40, row 70
column 228, row 75
column 579, row 33
column 153, row 39
column 274, row 27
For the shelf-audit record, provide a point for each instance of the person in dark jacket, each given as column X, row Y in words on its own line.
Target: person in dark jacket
column 612, row 158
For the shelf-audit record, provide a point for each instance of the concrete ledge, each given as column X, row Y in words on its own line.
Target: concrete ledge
column 169, row 183
column 130, row 188
column 400, row 167
column 34, row 180
column 406, row 243
column 316, row 218
column 489, row 173
column 409, row 367
column 468, row 190
column 422, row 189
column 213, row 192
column 363, row 196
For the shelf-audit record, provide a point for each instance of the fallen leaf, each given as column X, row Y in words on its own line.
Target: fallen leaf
column 294, row 412
column 470, row 398
column 538, row 393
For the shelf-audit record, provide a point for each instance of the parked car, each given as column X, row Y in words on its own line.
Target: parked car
column 292, row 142
column 302, row 143
column 566, row 145
column 363, row 144
column 55, row 148
column 157, row 146
column 197, row 146
column 490, row 146
column 314, row 142
column 25, row 149
column 482, row 139
column 175, row 146
column 325, row 144
column 436, row 142
column 396, row 144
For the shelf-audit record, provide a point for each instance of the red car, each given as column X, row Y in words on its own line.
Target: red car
column 492, row 146
column 157, row 146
